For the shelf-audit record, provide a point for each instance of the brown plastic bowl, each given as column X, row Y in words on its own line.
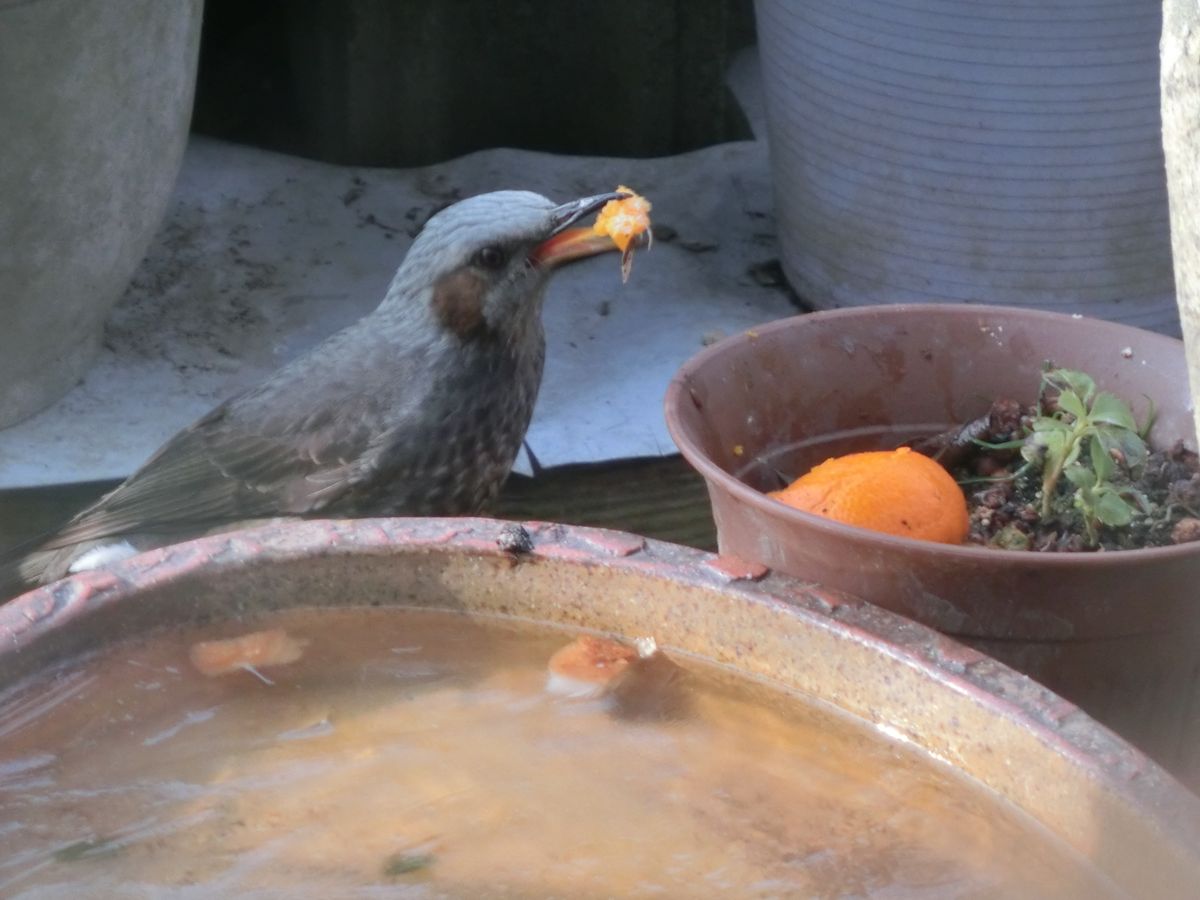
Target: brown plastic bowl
column 994, row 726
column 1118, row 633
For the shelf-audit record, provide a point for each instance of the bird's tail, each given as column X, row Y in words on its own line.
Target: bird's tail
column 33, row 562
column 11, row 582
column 53, row 555
column 29, row 565
column 20, row 570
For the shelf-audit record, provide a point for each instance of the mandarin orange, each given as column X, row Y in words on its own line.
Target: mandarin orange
column 900, row 492
column 623, row 220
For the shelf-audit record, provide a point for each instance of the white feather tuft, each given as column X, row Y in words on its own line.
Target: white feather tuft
column 98, row 557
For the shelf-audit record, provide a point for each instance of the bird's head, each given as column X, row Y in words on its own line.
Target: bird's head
column 480, row 267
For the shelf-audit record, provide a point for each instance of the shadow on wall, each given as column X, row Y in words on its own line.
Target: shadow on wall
column 402, row 84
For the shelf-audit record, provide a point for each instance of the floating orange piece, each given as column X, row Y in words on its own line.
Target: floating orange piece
column 900, row 492
column 623, row 221
column 249, row 652
column 586, row 666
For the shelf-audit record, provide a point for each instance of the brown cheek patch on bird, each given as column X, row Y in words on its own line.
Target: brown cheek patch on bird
column 458, row 303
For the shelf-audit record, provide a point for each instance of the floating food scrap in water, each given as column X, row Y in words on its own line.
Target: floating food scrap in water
column 249, row 653
column 94, row 848
column 404, row 863
column 584, row 667
column 641, row 681
column 624, row 221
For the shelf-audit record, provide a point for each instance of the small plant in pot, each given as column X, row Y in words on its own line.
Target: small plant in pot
column 1071, row 472
column 1116, row 632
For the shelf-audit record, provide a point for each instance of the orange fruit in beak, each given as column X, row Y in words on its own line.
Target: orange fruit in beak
column 624, row 220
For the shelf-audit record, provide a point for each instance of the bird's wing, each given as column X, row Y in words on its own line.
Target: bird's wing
column 229, row 467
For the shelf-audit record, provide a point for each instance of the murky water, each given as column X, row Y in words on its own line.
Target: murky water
column 419, row 754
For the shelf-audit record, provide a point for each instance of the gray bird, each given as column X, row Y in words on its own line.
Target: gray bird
column 419, row 408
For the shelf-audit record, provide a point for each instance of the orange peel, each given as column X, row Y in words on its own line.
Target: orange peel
column 259, row 649
column 586, row 666
column 900, row 492
column 624, row 221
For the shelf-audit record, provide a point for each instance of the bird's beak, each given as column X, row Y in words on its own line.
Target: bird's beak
column 566, row 243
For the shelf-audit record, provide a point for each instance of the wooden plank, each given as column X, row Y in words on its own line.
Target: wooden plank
column 660, row 497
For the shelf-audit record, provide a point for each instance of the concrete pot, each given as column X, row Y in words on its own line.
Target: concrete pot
column 1117, row 633
column 1098, row 794
column 985, row 153
column 95, row 100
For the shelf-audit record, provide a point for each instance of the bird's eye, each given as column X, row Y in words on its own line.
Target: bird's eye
column 491, row 257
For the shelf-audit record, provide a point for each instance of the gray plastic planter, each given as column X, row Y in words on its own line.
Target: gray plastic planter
column 980, row 152
column 95, row 101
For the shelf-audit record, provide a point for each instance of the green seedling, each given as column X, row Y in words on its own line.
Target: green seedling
column 1084, row 419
